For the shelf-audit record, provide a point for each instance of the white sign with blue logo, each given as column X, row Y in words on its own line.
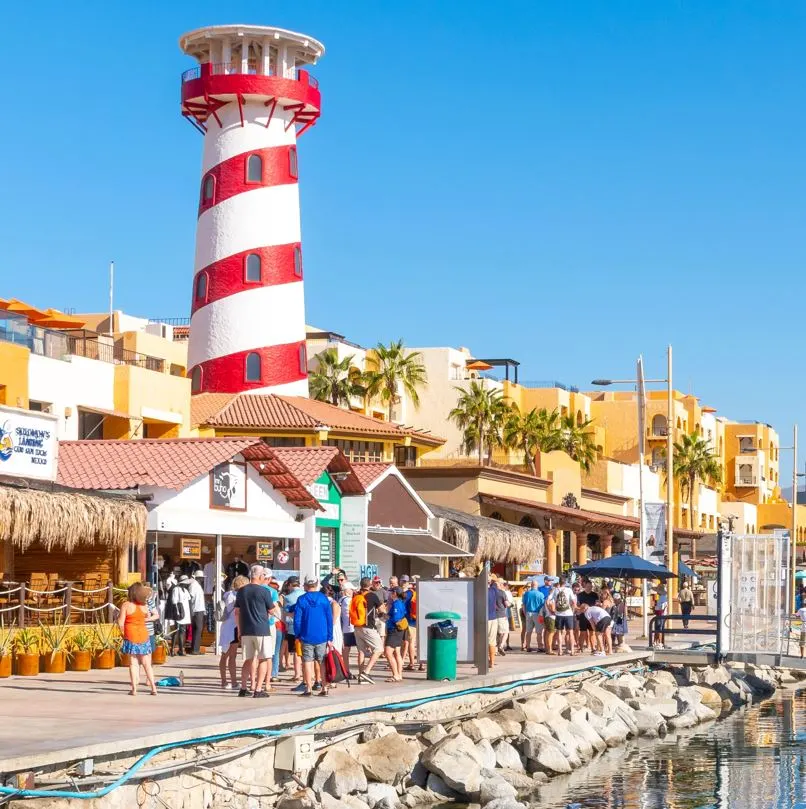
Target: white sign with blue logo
column 28, row 444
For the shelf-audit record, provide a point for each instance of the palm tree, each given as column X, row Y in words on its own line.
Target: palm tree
column 334, row 380
column 694, row 462
column 480, row 414
column 577, row 441
column 533, row 432
column 397, row 368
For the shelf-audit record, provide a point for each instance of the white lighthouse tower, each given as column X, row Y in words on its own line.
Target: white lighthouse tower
column 251, row 98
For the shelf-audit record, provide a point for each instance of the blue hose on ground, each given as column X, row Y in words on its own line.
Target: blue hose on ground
column 397, row 706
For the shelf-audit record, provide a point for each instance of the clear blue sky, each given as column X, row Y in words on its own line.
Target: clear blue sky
column 565, row 183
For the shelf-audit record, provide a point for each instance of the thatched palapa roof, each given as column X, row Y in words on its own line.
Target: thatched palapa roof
column 66, row 520
column 490, row 540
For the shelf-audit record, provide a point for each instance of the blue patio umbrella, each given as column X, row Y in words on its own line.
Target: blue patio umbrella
column 624, row 566
column 801, row 574
column 684, row 570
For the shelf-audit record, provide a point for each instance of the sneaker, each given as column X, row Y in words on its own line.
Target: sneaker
column 502, row 653
column 299, row 689
column 599, row 654
column 244, row 692
column 365, row 678
column 306, row 693
column 261, row 694
column 226, row 687
column 317, row 686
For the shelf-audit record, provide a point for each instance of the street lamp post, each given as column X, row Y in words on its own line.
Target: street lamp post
column 671, row 555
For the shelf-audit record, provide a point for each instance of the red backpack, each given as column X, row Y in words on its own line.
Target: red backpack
column 335, row 670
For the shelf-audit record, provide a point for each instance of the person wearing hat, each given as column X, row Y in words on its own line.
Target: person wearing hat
column 177, row 611
column 197, row 610
column 291, row 593
column 313, row 627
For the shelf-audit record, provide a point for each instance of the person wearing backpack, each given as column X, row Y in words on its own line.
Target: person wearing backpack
column 364, row 607
column 563, row 603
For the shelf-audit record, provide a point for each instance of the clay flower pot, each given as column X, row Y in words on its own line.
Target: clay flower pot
column 81, row 660
column 27, row 665
column 159, row 655
column 123, row 660
column 5, row 665
column 53, row 662
column 104, row 659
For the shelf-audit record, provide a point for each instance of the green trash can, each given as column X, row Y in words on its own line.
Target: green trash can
column 442, row 643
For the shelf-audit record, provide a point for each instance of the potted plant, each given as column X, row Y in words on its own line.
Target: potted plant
column 81, row 646
column 26, row 646
column 160, row 653
column 6, row 650
column 53, row 649
column 104, row 636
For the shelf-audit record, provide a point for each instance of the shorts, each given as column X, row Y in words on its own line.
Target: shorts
column 259, row 646
column 313, row 652
column 584, row 623
column 492, row 632
column 550, row 622
column 565, row 622
column 349, row 640
column 503, row 625
column 411, row 635
column 129, row 647
column 604, row 623
column 532, row 622
column 394, row 638
column 368, row 640
column 660, row 622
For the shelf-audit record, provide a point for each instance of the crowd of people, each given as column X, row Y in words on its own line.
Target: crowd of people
column 563, row 618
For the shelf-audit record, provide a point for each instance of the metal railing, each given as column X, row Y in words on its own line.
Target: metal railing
column 746, row 480
column 22, row 605
column 254, row 68
column 171, row 321
column 659, row 625
column 548, row 383
column 193, row 73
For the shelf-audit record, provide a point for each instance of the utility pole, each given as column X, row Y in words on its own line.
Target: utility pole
column 793, row 540
column 671, row 554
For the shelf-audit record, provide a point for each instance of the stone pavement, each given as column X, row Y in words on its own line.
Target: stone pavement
column 57, row 718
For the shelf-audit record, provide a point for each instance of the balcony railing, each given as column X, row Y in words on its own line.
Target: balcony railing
column 746, row 480
column 254, row 68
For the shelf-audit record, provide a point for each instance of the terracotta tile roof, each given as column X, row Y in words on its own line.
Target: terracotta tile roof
column 370, row 471
column 269, row 411
column 170, row 463
column 264, row 459
column 308, row 463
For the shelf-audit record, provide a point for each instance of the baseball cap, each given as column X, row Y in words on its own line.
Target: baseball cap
column 310, row 581
column 347, row 585
column 376, row 580
column 405, row 578
column 198, row 574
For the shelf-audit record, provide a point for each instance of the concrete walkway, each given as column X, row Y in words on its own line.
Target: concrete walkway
column 52, row 719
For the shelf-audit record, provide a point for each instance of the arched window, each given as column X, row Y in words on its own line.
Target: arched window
column 292, row 162
column 303, row 359
column 201, row 286
column 252, row 269
column 254, row 169
column 253, row 367
column 196, row 379
column 527, row 522
column 659, row 425
column 298, row 261
column 208, row 188
column 496, row 515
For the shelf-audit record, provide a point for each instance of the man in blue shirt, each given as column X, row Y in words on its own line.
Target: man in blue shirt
column 313, row 627
column 533, row 601
column 496, row 606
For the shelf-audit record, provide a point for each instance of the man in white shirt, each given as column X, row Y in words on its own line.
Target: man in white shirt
column 197, row 610
column 562, row 604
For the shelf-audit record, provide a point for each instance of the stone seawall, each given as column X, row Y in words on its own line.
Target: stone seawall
column 494, row 750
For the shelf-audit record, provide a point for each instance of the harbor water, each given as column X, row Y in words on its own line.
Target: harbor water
column 754, row 759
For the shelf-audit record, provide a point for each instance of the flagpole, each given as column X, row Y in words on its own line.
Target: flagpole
column 641, row 451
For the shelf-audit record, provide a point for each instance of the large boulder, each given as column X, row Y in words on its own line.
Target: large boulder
column 704, row 713
column 300, row 799
column 605, row 704
column 556, row 703
column 496, row 788
column 505, row 803
column 711, row 675
column 382, row 796
column 486, row 754
column 354, row 802
column 523, row 783
column 510, row 721
column 661, row 676
column 688, row 697
column 650, row 723
column 437, row 787
column 414, row 796
column 661, row 690
column 329, row 802
column 667, row 708
column 482, row 727
column 545, row 755
column 615, row 732
column 387, row 759
column 710, row 697
column 687, row 719
column 455, row 760
column 580, row 725
column 338, row 774
column 433, row 735
column 507, row 757
column 536, row 710
column 377, row 730
column 760, row 686
column 572, row 745
column 624, row 687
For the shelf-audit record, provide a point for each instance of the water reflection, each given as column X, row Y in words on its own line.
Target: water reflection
column 753, row 760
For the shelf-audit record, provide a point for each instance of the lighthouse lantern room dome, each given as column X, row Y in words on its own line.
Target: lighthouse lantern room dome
column 251, row 96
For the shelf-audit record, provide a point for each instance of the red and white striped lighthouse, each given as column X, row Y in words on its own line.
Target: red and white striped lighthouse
column 252, row 100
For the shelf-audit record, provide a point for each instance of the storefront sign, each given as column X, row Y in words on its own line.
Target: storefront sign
column 28, row 443
column 369, row 571
column 228, row 486
column 331, row 511
column 265, row 551
column 319, row 490
column 190, row 548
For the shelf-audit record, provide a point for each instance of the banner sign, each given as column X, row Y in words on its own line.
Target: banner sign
column 265, row 551
column 28, row 443
column 190, row 548
column 653, row 527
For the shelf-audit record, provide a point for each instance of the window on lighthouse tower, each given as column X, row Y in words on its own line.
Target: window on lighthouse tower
column 201, row 286
column 292, row 162
column 254, row 169
column 252, row 270
column 253, row 367
column 208, row 188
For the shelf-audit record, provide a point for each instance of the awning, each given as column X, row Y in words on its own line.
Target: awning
column 116, row 414
column 409, row 543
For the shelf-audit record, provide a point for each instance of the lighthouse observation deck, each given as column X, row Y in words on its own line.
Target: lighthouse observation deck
column 245, row 63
